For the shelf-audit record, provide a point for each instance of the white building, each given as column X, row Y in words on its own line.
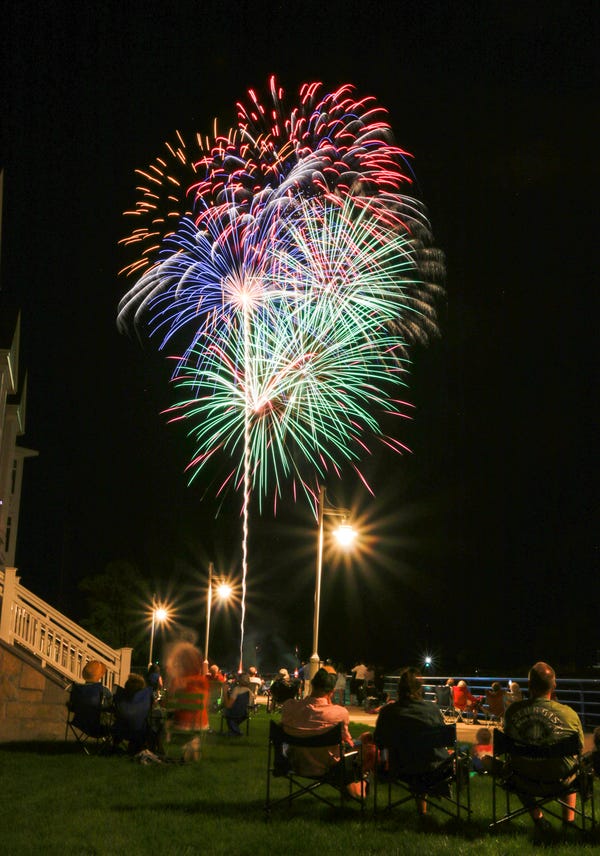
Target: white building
column 13, row 397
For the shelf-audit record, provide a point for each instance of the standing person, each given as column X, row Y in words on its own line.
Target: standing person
column 541, row 720
column 184, row 678
column 339, row 690
column 357, row 682
column 410, row 714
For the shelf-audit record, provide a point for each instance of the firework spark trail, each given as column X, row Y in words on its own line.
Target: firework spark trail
column 317, row 356
column 290, row 256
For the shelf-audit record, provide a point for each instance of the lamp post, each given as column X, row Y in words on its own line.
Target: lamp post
column 345, row 534
column 224, row 591
column 159, row 614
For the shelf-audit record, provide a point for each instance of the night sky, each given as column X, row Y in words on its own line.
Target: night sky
column 483, row 542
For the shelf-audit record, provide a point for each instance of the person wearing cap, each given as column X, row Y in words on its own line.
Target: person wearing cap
column 283, row 688
column 309, row 717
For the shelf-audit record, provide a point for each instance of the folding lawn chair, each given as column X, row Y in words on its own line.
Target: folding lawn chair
column 280, row 766
column 514, row 771
column 408, row 774
column 87, row 717
column 133, row 720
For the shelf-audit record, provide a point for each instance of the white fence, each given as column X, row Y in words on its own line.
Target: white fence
column 29, row 622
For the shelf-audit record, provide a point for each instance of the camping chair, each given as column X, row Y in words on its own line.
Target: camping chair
column 132, row 720
column 337, row 777
column 443, row 697
column 493, row 709
column 441, row 786
column 187, row 720
column 87, row 718
column 239, row 712
column 541, row 790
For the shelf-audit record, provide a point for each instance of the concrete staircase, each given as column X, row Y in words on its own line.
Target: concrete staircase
column 42, row 652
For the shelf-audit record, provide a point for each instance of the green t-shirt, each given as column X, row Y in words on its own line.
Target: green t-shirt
column 542, row 721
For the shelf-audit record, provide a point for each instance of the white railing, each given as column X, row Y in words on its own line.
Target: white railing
column 58, row 642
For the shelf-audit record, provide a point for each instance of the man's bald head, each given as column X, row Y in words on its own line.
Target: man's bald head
column 542, row 680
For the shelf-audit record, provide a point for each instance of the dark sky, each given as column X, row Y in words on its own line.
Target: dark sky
column 484, row 540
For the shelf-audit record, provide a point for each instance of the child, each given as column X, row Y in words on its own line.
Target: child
column 482, row 749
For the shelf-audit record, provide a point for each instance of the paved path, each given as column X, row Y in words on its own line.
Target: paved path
column 465, row 731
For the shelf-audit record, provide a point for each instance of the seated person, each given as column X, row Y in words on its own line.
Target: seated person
column 465, row 701
column 132, row 708
column 255, row 680
column 89, row 701
column 482, row 751
column 236, row 703
column 540, row 720
column 514, row 693
column 283, row 687
column 311, row 716
column 187, row 688
column 495, row 701
column 411, row 715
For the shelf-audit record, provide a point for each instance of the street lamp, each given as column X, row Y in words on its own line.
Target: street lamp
column 345, row 535
column 224, row 592
column 159, row 615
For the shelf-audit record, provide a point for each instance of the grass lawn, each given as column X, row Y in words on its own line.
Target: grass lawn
column 56, row 800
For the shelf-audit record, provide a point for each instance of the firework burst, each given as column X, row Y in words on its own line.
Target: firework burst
column 292, row 262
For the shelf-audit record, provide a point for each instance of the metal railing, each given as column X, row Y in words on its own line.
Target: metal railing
column 28, row 621
column 582, row 694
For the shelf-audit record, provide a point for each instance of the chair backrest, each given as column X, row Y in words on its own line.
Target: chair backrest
column 535, row 768
column 280, row 691
column 443, row 696
column 239, row 708
column 564, row 748
column 416, row 751
column 85, row 703
column 131, row 713
column 433, row 737
column 331, row 737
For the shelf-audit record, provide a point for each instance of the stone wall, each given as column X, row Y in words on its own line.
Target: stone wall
column 32, row 701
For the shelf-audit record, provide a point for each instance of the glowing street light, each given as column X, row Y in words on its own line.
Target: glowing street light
column 223, row 591
column 159, row 615
column 345, row 535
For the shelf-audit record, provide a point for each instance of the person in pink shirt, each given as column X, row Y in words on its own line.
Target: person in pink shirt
column 311, row 716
